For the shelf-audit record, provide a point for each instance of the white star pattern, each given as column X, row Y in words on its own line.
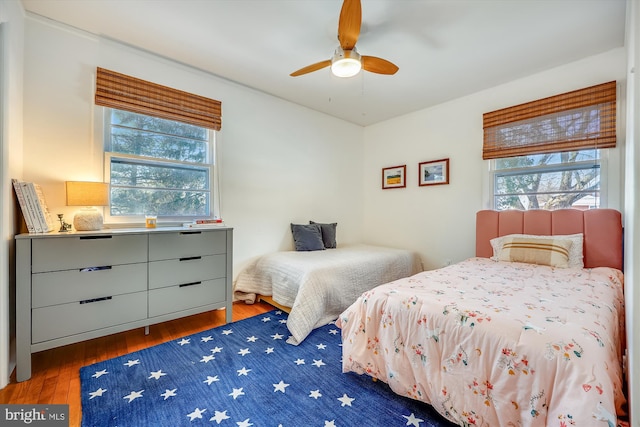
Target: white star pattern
column 346, row 400
column 97, row 393
column 207, row 359
column 112, row 386
column 412, row 420
column 219, row 417
column 280, row 386
column 197, row 413
column 211, row 380
column 243, row 371
column 133, row 395
column 315, row 394
column 98, row 374
column 157, row 374
column 237, row 392
column 169, row 393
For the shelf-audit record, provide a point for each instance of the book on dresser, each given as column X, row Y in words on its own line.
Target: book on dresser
column 34, row 207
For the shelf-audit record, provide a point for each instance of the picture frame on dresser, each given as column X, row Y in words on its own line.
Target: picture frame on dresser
column 76, row 286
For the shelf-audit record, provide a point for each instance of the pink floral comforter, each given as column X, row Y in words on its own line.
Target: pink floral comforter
column 496, row 344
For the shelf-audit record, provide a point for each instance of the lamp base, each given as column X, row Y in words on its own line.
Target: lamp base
column 88, row 220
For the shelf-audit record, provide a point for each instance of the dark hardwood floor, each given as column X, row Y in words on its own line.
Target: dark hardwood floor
column 56, row 372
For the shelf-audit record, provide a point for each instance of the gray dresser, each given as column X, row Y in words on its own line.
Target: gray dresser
column 76, row 286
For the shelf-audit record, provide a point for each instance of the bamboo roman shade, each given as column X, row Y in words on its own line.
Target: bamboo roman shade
column 115, row 90
column 581, row 119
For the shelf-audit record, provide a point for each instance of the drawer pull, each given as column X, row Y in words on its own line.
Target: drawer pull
column 89, row 301
column 191, row 258
column 186, row 233
column 189, row 284
column 98, row 268
column 94, row 237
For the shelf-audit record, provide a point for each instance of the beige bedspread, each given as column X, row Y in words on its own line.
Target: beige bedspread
column 319, row 285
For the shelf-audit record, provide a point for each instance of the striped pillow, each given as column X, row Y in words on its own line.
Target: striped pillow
column 552, row 252
column 576, row 258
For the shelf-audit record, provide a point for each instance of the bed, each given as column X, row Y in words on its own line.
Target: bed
column 318, row 285
column 503, row 342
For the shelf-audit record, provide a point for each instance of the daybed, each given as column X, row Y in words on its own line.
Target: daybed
column 505, row 343
column 319, row 285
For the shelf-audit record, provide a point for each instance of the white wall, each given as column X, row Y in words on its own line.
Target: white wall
column 439, row 221
column 632, row 209
column 279, row 162
column 11, row 67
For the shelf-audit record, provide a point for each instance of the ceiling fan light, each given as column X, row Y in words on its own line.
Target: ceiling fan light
column 346, row 67
column 346, row 63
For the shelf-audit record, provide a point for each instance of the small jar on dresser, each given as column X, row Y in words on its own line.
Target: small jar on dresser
column 76, row 286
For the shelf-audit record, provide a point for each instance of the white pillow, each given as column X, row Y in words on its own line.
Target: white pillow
column 576, row 258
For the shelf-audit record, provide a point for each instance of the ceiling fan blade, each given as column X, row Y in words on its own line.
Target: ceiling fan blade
column 311, row 68
column 349, row 24
column 378, row 65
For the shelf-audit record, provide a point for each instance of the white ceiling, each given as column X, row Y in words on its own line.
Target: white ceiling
column 444, row 48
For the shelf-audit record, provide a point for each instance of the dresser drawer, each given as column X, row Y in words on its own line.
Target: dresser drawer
column 59, row 287
column 178, row 298
column 185, row 244
column 186, row 270
column 64, row 320
column 67, row 253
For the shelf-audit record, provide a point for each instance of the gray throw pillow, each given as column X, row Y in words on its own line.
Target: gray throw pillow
column 307, row 237
column 328, row 234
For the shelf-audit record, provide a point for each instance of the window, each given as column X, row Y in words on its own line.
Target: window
column 550, row 153
column 157, row 166
column 548, row 181
column 159, row 149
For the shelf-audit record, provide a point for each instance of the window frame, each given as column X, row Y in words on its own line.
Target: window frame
column 168, row 220
column 493, row 174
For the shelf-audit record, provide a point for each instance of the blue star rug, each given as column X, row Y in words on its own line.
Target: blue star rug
column 243, row 374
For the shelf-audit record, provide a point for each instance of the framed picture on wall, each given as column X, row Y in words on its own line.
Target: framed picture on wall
column 434, row 172
column 394, row 177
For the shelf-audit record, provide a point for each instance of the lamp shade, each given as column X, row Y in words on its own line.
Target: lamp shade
column 81, row 193
column 88, row 194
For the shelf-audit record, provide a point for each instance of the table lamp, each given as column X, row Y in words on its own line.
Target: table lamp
column 87, row 194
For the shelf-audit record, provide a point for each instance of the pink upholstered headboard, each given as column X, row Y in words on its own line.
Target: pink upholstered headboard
column 602, row 229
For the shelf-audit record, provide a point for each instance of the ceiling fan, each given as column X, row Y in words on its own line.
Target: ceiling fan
column 346, row 61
